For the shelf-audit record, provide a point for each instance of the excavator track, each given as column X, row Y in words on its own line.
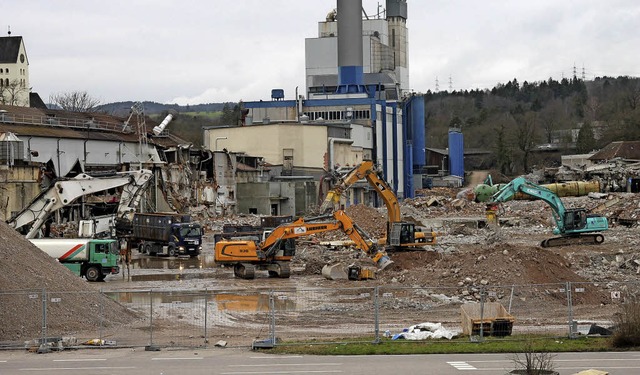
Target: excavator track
column 279, row 269
column 582, row 239
column 244, row 270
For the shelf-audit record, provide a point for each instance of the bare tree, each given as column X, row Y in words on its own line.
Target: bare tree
column 75, row 101
column 533, row 362
column 10, row 94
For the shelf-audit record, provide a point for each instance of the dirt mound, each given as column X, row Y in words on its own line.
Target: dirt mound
column 25, row 272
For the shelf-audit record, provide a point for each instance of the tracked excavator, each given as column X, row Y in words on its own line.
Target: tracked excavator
column 64, row 191
column 401, row 235
column 248, row 255
column 574, row 226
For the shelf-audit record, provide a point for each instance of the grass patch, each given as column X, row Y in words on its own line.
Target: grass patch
column 512, row 344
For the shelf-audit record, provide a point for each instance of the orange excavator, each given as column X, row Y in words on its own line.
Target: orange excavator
column 401, row 235
column 272, row 254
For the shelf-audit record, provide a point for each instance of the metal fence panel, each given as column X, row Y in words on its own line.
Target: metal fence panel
column 325, row 315
column 595, row 305
column 22, row 312
column 403, row 307
column 537, row 309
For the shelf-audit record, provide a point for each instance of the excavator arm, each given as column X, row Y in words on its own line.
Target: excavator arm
column 520, row 184
column 247, row 255
column 338, row 221
column 365, row 170
column 400, row 235
column 63, row 192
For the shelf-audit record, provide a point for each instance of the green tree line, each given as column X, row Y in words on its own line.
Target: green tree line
column 511, row 120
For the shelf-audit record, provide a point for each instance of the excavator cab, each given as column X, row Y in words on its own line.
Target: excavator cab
column 401, row 233
column 575, row 219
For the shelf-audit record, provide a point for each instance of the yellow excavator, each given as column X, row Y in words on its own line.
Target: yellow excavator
column 401, row 235
column 249, row 255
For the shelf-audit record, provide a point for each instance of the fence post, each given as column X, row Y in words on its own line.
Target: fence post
column 376, row 314
column 272, row 311
column 570, row 309
column 44, row 348
column 206, row 315
column 151, row 347
column 482, row 291
column 102, row 319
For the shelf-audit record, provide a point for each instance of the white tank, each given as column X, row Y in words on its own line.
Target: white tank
column 64, row 249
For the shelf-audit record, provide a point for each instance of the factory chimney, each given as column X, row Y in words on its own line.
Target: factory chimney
column 350, row 62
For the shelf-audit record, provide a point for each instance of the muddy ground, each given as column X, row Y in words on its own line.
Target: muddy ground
column 469, row 254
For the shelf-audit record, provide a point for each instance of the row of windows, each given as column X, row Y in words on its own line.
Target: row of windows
column 5, row 82
column 338, row 115
column 6, row 70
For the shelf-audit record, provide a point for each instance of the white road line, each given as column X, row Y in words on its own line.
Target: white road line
column 77, row 368
column 284, row 372
column 289, row 364
column 462, row 365
column 80, row 360
column 176, row 358
column 277, row 357
column 3, row 361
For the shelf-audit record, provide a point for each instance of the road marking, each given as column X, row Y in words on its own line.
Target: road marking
column 462, row 365
column 289, row 364
column 284, row 372
column 277, row 357
column 80, row 360
column 77, row 368
column 176, row 358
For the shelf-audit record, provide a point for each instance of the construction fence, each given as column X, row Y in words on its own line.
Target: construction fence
column 268, row 317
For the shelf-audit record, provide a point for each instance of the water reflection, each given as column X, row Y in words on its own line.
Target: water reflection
column 231, row 302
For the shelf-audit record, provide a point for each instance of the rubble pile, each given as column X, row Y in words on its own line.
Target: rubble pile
column 25, row 271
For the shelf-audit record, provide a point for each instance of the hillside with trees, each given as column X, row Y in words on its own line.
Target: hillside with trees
column 513, row 120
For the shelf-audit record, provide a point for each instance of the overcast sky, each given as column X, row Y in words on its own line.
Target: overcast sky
column 203, row 51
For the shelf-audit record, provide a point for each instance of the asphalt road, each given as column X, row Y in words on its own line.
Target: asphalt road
column 246, row 362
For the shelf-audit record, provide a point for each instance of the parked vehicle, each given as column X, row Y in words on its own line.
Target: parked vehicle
column 93, row 259
column 166, row 234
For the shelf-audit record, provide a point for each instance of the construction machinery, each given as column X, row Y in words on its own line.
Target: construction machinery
column 575, row 225
column 401, row 235
column 247, row 255
column 166, row 233
column 93, row 259
column 64, row 191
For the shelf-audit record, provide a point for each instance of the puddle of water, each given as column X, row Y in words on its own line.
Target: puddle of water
column 173, row 263
column 221, row 302
column 171, row 277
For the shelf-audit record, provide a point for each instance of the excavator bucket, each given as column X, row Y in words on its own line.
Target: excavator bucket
column 384, row 262
column 334, row 272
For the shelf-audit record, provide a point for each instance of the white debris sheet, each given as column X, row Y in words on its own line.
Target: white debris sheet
column 424, row 331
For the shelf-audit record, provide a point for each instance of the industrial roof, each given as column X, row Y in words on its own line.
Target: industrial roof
column 621, row 149
column 9, row 48
column 26, row 121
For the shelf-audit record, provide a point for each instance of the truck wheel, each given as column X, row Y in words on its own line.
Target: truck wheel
column 171, row 249
column 93, row 274
column 146, row 248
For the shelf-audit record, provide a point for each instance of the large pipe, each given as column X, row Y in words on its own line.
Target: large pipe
column 157, row 130
column 350, row 61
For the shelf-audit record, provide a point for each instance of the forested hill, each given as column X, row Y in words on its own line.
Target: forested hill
column 150, row 108
column 514, row 119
